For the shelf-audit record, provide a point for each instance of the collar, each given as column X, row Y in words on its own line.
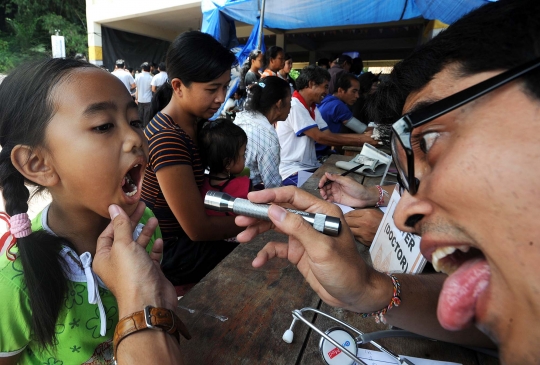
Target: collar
column 311, row 109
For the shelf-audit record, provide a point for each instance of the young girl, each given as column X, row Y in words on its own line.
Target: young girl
column 250, row 70
column 223, row 149
column 174, row 176
column 85, row 145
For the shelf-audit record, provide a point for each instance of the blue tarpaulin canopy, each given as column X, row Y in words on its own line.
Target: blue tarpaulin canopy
column 299, row 14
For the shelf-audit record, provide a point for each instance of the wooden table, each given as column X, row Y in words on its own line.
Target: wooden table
column 237, row 314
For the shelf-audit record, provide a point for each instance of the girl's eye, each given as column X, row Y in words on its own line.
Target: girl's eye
column 104, row 127
column 137, row 124
column 427, row 141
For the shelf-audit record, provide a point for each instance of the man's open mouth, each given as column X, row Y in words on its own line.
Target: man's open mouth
column 469, row 276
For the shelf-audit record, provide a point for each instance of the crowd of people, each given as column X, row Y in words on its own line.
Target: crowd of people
column 96, row 259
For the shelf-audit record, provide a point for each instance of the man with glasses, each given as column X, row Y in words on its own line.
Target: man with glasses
column 465, row 109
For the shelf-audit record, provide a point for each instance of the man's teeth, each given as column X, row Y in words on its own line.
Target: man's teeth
column 446, row 266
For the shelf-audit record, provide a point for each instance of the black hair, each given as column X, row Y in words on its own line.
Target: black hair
column 342, row 59
column 247, row 65
column 323, row 62
column 344, row 81
column 27, row 108
column 219, row 144
column 357, row 66
column 262, row 99
column 272, row 53
column 288, row 56
column 212, row 60
column 130, row 69
column 120, row 64
column 478, row 42
column 162, row 66
column 366, row 81
column 311, row 73
column 145, row 66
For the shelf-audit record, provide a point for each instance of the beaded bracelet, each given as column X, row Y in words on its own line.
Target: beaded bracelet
column 394, row 302
column 381, row 196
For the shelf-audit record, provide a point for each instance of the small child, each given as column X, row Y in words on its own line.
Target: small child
column 223, row 147
column 85, row 145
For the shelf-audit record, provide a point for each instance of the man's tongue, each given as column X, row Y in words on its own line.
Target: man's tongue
column 460, row 292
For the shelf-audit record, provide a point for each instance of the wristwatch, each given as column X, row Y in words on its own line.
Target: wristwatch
column 160, row 319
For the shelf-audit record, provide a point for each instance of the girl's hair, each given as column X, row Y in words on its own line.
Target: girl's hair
column 262, row 96
column 192, row 57
column 272, row 53
column 28, row 106
column 247, row 65
column 219, row 144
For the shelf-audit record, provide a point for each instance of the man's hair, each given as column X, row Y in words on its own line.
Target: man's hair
column 342, row 59
column 145, row 66
column 344, row 82
column 323, row 62
column 120, row 63
column 478, row 42
column 162, row 66
column 311, row 73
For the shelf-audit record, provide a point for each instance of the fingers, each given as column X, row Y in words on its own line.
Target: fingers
column 253, row 230
column 298, row 198
column 147, row 232
column 157, row 251
column 269, row 251
column 123, row 231
column 135, row 217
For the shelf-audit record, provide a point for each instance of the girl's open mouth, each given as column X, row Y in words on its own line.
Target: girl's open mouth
column 130, row 182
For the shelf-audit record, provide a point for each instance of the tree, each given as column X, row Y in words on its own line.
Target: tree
column 26, row 27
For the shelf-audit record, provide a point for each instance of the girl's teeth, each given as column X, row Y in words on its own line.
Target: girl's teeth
column 132, row 192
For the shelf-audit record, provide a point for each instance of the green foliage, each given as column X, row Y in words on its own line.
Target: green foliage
column 29, row 25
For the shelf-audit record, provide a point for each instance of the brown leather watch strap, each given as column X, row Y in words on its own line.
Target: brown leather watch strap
column 150, row 318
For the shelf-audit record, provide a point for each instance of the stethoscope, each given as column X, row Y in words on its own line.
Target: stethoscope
column 339, row 347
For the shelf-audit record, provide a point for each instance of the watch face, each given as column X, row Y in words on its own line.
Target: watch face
column 333, row 355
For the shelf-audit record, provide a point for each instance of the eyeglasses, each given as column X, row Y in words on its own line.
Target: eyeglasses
column 402, row 129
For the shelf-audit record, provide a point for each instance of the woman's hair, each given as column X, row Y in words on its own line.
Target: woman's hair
column 262, row 96
column 192, row 57
column 272, row 53
column 28, row 105
column 247, row 65
column 219, row 144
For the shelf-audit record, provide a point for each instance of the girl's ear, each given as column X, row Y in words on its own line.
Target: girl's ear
column 34, row 164
column 177, row 86
column 228, row 162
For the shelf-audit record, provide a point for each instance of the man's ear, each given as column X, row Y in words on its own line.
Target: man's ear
column 34, row 165
column 177, row 86
column 311, row 84
column 279, row 104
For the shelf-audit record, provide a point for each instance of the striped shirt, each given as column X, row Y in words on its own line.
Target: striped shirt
column 168, row 145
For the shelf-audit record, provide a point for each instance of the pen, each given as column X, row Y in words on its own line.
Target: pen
column 343, row 174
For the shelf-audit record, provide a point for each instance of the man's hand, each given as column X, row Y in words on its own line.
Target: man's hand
column 364, row 224
column 331, row 265
column 130, row 273
column 345, row 190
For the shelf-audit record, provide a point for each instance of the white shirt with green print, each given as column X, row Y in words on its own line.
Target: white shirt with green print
column 80, row 322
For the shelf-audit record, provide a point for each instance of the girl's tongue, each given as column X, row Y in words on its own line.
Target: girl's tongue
column 461, row 290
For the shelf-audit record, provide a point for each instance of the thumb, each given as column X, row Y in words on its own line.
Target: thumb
column 122, row 229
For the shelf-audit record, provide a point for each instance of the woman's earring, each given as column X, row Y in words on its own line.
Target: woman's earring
column 229, row 173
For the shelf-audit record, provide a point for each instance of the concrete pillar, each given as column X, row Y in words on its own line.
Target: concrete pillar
column 312, row 57
column 95, row 50
column 280, row 40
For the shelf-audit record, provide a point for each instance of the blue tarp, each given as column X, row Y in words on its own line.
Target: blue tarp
column 298, row 14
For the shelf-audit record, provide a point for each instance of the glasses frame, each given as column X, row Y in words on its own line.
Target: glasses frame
column 402, row 129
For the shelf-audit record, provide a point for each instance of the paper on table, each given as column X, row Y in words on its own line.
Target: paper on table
column 372, row 357
column 303, row 176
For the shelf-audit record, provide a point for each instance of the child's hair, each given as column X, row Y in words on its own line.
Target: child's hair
column 247, row 65
column 28, row 105
column 192, row 57
column 219, row 144
column 262, row 96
